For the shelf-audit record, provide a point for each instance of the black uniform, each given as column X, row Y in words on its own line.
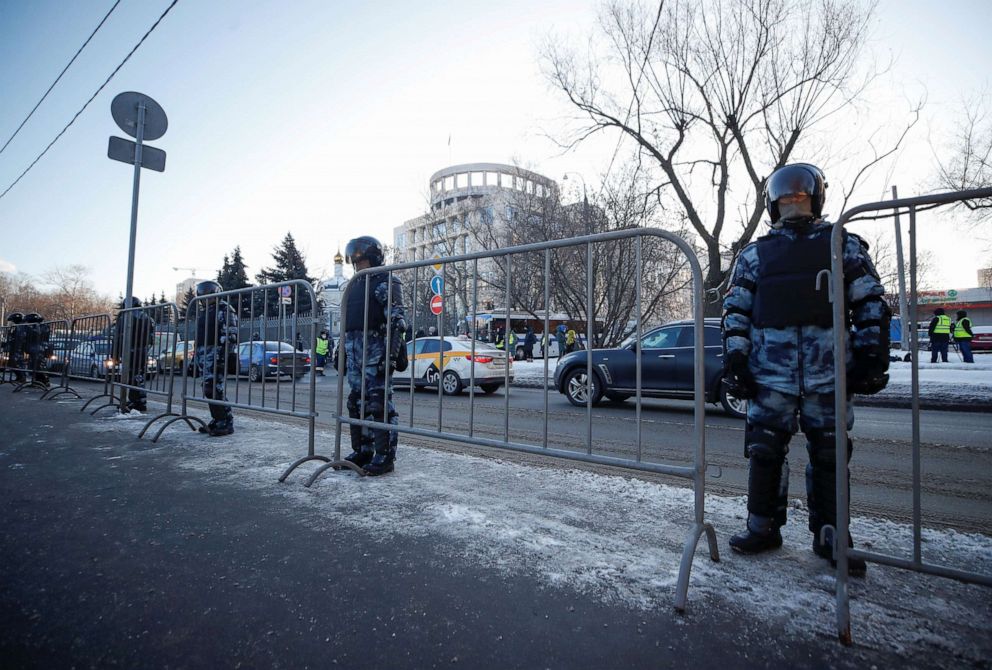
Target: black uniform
column 142, row 337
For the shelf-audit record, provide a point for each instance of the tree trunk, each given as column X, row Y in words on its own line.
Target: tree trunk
column 712, row 295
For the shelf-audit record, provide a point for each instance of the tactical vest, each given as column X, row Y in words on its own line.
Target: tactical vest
column 785, row 294
column 210, row 323
column 943, row 326
column 355, row 316
column 959, row 332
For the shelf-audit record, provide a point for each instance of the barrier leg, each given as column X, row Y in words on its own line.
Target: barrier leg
column 188, row 419
column 300, row 462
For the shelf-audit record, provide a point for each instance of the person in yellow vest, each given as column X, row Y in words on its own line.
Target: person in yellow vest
column 570, row 337
column 322, row 349
column 963, row 335
column 940, row 335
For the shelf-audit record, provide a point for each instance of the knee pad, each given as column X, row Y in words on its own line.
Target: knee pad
column 353, row 399
column 208, row 388
column 764, row 444
column 375, row 405
column 821, row 447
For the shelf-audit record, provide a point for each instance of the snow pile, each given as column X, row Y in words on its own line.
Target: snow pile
column 613, row 538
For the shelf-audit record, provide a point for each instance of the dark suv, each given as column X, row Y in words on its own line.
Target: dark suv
column 666, row 368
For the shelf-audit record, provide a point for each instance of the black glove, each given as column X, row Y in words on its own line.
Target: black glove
column 737, row 376
column 869, row 373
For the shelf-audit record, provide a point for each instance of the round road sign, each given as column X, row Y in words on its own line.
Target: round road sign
column 124, row 109
column 437, row 284
column 436, row 305
column 438, row 266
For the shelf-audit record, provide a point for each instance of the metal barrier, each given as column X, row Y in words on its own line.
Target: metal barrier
column 841, row 533
column 37, row 342
column 9, row 350
column 256, row 365
column 696, row 472
column 85, row 354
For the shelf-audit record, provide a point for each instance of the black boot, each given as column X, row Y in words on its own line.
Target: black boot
column 222, row 427
column 209, row 427
column 361, row 448
column 856, row 567
column 761, row 534
column 381, row 464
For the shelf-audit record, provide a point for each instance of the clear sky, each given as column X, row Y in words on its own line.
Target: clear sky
column 326, row 119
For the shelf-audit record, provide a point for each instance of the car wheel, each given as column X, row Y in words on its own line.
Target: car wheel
column 617, row 397
column 450, row 383
column 254, row 374
column 576, row 388
column 489, row 388
column 735, row 407
column 519, row 355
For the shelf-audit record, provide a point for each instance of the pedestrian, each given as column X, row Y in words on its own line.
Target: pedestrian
column 560, row 338
column 216, row 346
column 420, row 334
column 373, row 449
column 432, row 331
column 14, row 346
column 530, row 339
column 570, row 340
column 778, row 353
column 136, row 350
column 940, row 335
column 299, row 342
column 37, row 346
column 963, row 334
column 322, row 349
column 498, row 341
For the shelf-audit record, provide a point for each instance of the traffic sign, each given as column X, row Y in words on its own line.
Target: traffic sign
column 286, row 291
column 437, row 284
column 124, row 109
column 436, row 304
column 438, row 266
column 124, row 151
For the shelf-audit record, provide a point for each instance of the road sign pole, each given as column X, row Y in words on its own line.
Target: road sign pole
column 124, row 347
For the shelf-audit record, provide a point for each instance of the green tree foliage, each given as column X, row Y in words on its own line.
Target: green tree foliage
column 289, row 264
column 233, row 274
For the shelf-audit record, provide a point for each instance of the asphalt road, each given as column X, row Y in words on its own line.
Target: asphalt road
column 956, row 447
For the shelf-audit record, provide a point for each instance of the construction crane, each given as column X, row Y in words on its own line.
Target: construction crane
column 192, row 271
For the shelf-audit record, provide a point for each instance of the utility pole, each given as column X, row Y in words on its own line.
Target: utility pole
column 904, row 331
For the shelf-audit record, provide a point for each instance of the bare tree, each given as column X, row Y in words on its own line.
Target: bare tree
column 526, row 217
column 970, row 150
column 63, row 293
column 716, row 95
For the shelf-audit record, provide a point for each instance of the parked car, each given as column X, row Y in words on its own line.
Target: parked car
column 455, row 372
column 91, row 359
column 56, row 360
column 185, row 355
column 271, row 359
column 667, row 367
column 983, row 338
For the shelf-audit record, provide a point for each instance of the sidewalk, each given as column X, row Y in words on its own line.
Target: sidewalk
column 190, row 553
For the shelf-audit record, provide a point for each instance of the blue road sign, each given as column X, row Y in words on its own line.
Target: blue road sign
column 437, row 284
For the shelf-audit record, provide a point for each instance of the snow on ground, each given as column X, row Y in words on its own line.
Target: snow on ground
column 612, row 538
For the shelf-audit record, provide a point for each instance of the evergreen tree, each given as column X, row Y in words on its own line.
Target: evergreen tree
column 289, row 264
column 187, row 299
column 224, row 272
column 162, row 300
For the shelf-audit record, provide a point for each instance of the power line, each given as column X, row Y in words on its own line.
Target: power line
column 100, row 25
column 96, row 93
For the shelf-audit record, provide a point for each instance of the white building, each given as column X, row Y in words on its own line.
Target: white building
column 331, row 291
column 184, row 286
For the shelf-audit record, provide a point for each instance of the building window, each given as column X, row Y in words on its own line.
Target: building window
column 461, row 180
column 492, row 179
column 476, row 179
column 506, row 180
column 449, row 183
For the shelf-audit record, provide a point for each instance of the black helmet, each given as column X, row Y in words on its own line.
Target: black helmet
column 208, row 287
column 364, row 248
column 15, row 317
column 793, row 179
column 33, row 317
column 135, row 302
column 939, row 311
column 962, row 314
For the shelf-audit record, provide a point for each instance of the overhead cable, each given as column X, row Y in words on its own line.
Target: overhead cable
column 79, row 51
column 96, row 93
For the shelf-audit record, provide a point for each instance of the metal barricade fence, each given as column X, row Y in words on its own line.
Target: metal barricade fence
column 6, row 344
column 87, row 350
column 38, row 361
column 589, row 377
column 836, row 287
column 257, row 367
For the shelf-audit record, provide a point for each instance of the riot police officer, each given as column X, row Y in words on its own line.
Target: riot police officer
column 14, row 346
column 37, row 345
column 372, row 449
column 142, row 337
column 778, row 346
column 216, row 346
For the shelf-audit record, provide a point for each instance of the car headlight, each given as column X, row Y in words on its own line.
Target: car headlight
column 109, row 363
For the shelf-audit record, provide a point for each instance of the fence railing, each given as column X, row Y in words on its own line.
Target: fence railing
column 266, row 373
column 589, row 375
column 842, row 553
column 32, row 353
column 85, row 356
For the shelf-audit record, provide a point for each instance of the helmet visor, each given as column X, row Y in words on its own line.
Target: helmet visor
column 354, row 252
column 791, row 180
